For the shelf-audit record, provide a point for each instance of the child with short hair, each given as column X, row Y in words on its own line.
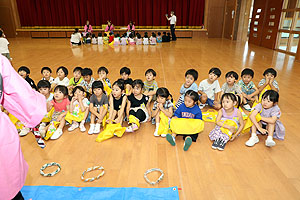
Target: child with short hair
column 138, row 109
column 191, row 76
column 150, row 85
column 61, row 105
column 105, row 39
column 100, row 39
column 88, row 38
column 209, row 89
column 123, row 40
column 162, row 104
column 125, row 72
column 153, row 39
column 111, row 37
column 46, row 72
column 88, row 80
column 146, row 39
column 76, row 80
column 131, row 39
column 189, row 109
column 4, row 46
column 269, row 123
column 94, row 39
column 98, row 107
column 164, row 37
column 79, row 109
column 229, row 122
column 117, row 40
column 168, row 37
column 44, row 87
column 159, row 38
column 117, row 102
column 249, row 91
column 102, row 73
column 24, row 73
column 75, row 37
column 139, row 40
column 61, row 79
column 269, row 79
column 230, row 86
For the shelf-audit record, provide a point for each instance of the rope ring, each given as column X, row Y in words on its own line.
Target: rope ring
column 48, row 165
column 91, row 169
column 153, row 170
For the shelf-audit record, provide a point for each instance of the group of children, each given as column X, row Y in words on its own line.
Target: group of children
column 117, row 39
column 83, row 98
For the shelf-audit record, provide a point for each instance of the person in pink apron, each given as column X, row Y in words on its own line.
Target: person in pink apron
column 29, row 106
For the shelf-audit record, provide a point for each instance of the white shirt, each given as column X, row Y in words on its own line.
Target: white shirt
column 100, row 40
column 94, row 40
column 4, row 45
column 64, row 82
column 51, row 79
column 209, row 89
column 173, row 19
column 145, row 41
column 75, row 37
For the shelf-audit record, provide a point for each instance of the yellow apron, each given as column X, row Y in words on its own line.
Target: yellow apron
column 52, row 128
column 107, row 89
column 111, row 130
column 249, row 123
column 163, row 127
column 48, row 116
column 19, row 125
column 77, row 115
column 186, row 126
column 133, row 119
column 229, row 122
column 210, row 115
column 268, row 87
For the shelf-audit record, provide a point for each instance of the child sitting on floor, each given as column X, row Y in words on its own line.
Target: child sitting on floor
column 162, row 104
column 189, row 109
column 137, row 106
column 24, row 73
column 46, row 72
column 229, row 122
column 230, row 86
column 153, row 39
column 125, row 72
column 191, row 76
column 61, row 78
column 150, row 85
column 209, row 89
column 269, row 124
column 76, row 80
column 269, row 79
column 100, row 39
column 249, row 91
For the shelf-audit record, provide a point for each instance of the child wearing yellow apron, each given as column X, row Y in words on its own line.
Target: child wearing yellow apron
column 229, row 122
column 162, row 105
column 191, row 111
column 79, row 109
column 102, row 73
column 137, row 106
column 124, row 73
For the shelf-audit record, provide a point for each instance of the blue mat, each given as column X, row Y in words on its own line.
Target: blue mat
column 107, row 193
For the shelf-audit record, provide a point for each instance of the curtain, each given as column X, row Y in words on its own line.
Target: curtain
column 120, row 12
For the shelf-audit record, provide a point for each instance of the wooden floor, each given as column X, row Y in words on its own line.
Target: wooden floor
column 239, row 172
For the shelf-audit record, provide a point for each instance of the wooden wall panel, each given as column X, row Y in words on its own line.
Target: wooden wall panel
column 39, row 34
column 57, row 34
column 215, row 18
column 6, row 18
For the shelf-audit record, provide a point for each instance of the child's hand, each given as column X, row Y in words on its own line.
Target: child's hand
column 231, row 129
column 160, row 106
column 271, row 80
column 233, row 137
column 59, row 118
column 74, row 98
column 262, row 130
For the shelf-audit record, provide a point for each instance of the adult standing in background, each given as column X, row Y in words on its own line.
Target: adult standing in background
column 172, row 20
column 87, row 28
column 131, row 28
column 110, row 27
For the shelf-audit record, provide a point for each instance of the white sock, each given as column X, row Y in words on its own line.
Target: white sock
column 269, row 138
column 157, row 125
column 253, row 135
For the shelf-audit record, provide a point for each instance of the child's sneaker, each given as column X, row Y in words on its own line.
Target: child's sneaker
column 215, row 144
column 134, row 127
column 73, row 126
column 56, row 134
column 247, row 107
column 24, row 131
column 97, row 128
column 156, row 130
column 153, row 121
column 221, row 145
column 201, row 106
column 82, row 127
column 171, row 139
column 129, row 129
column 163, row 135
column 270, row 142
column 187, row 143
column 252, row 141
column 91, row 130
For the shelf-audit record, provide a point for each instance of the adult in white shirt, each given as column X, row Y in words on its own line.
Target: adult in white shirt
column 76, row 37
column 4, row 46
column 172, row 20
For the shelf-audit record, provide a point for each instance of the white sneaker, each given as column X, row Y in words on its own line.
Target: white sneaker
column 56, row 134
column 97, row 128
column 73, row 126
column 247, row 107
column 252, row 141
column 91, row 130
column 82, row 127
column 156, row 130
column 270, row 142
column 24, row 131
column 201, row 106
column 163, row 135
